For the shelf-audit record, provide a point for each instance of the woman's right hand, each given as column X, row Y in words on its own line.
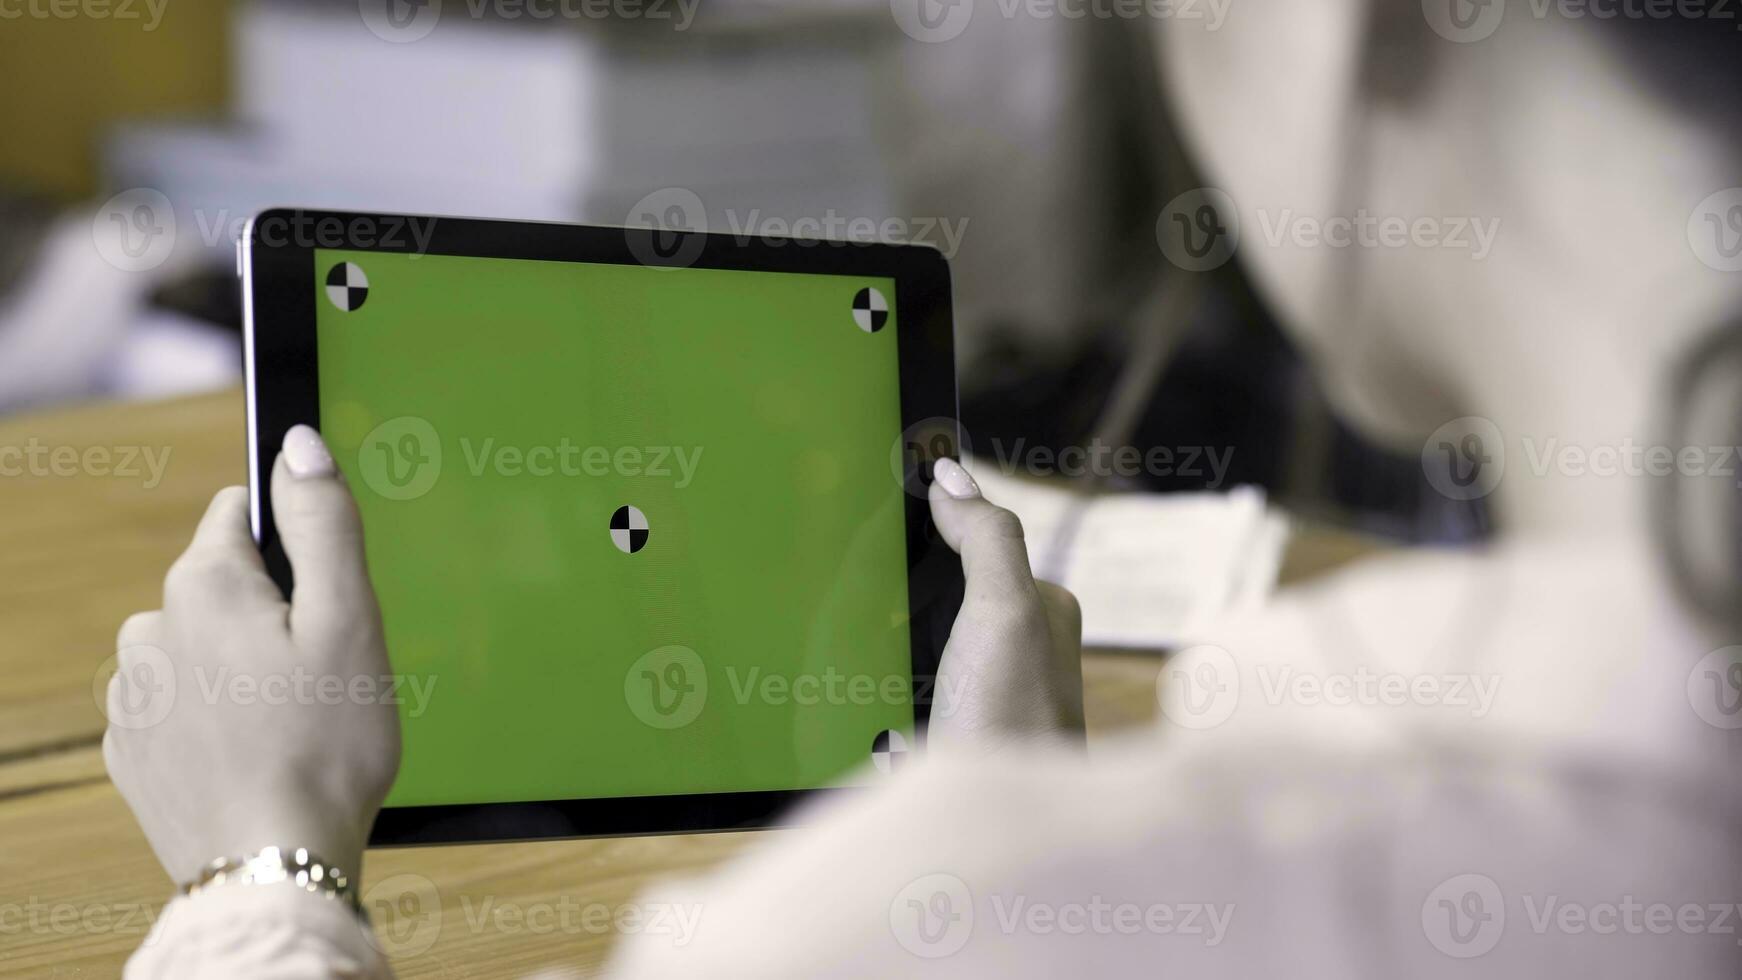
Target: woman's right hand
column 1012, row 671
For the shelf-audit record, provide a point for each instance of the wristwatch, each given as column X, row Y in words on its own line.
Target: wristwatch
column 272, row 866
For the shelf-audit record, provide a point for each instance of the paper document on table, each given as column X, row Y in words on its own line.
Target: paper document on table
column 1148, row 568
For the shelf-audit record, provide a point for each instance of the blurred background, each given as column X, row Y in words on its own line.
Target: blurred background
column 1035, row 152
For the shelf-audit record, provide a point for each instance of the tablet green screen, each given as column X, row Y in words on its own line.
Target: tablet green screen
column 634, row 531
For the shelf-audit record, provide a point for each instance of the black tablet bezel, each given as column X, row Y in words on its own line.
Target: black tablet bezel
column 276, row 262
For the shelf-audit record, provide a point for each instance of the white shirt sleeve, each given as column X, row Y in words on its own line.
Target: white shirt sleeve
column 267, row 932
column 1362, row 791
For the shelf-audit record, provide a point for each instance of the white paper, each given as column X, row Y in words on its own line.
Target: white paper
column 1149, row 569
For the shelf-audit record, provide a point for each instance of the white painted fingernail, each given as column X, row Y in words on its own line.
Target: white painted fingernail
column 305, row 454
column 955, row 480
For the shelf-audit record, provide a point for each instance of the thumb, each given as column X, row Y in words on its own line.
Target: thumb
column 321, row 532
column 1009, row 670
column 988, row 537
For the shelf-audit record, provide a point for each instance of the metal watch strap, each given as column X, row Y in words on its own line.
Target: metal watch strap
column 272, row 866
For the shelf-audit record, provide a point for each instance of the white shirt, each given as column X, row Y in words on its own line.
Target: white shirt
column 1432, row 765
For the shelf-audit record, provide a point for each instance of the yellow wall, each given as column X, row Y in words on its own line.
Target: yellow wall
column 62, row 81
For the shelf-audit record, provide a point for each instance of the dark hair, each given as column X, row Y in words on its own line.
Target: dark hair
column 1689, row 56
column 1693, row 64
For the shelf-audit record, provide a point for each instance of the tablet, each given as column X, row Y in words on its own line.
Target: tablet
column 645, row 510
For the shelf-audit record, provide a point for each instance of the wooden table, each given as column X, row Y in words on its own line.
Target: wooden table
column 79, row 885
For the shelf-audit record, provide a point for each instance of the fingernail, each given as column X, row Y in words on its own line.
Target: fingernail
column 305, row 454
column 955, row 480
